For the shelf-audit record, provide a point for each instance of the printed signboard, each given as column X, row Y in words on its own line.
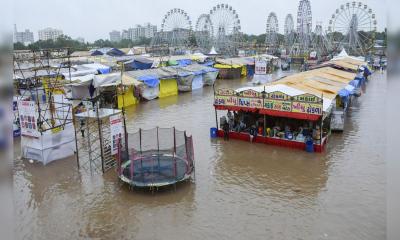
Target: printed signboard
column 28, row 118
column 116, row 131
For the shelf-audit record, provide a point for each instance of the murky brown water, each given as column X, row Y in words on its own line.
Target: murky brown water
column 242, row 190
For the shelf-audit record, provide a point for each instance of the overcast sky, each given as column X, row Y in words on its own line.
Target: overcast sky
column 94, row 19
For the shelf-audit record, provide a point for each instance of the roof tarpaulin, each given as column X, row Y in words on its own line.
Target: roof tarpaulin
column 96, row 53
column 350, row 88
column 139, row 63
column 150, row 80
column 104, row 79
column 200, row 67
column 115, row 52
column 112, row 79
column 241, row 61
column 81, row 80
column 99, row 67
column 355, row 83
column 184, row 62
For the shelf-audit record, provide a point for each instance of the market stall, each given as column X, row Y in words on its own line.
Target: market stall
column 276, row 114
column 279, row 111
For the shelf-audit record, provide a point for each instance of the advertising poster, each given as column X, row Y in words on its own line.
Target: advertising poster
column 28, row 118
column 260, row 67
column 116, row 131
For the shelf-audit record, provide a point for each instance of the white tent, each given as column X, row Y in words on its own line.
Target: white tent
column 213, row 51
column 343, row 54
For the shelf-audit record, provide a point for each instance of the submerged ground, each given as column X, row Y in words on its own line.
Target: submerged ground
column 242, row 190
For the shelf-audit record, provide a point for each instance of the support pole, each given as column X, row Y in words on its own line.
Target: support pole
column 265, row 126
column 174, row 153
column 187, row 155
column 119, row 158
column 322, row 123
column 132, row 165
column 123, row 112
column 216, row 114
column 158, row 149
column 216, row 119
column 76, row 137
column 100, row 139
column 140, row 147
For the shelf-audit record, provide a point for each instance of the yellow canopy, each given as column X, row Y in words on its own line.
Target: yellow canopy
column 325, row 81
column 221, row 66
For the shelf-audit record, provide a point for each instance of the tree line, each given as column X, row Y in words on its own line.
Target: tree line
column 66, row 41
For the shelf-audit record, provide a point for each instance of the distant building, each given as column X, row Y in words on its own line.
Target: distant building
column 25, row 37
column 135, row 33
column 115, row 36
column 150, row 30
column 49, row 33
column 139, row 31
column 125, row 34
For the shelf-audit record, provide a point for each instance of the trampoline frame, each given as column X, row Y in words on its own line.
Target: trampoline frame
column 157, row 179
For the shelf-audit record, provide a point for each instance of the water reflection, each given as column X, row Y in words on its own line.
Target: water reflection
column 268, row 171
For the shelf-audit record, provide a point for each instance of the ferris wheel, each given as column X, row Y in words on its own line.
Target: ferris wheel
column 304, row 25
column 176, row 27
column 226, row 29
column 271, row 38
column 289, row 31
column 320, row 42
column 353, row 26
column 204, row 32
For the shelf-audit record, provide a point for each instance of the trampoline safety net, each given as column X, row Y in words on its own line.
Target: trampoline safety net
column 157, row 157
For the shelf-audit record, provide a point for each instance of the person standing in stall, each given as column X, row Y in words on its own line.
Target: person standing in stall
column 253, row 133
column 225, row 128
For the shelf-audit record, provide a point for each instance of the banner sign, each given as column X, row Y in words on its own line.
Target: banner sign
column 225, row 92
column 116, row 130
column 28, row 117
column 247, row 98
column 277, row 101
column 250, row 93
column 307, row 98
column 278, row 96
column 239, row 101
column 283, row 106
column 308, row 108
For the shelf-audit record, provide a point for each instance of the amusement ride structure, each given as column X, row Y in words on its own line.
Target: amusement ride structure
column 272, row 29
column 304, row 28
column 353, row 27
column 176, row 28
column 204, row 32
column 289, row 32
column 320, row 42
column 226, row 29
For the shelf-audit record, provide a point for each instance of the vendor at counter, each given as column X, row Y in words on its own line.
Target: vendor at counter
column 274, row 127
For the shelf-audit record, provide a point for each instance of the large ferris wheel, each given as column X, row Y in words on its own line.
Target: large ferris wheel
column 353, row 26
column 226, row 29
column 176, row 28
column 272, row 29
column 320, row 42
column 289, row 31
column 304, row 26
column 204, row 32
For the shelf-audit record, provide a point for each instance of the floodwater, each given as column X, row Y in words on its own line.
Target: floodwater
column 241, row 190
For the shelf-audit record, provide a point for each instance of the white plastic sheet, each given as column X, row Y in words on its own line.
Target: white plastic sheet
column 50, row 146
column 197, row 82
